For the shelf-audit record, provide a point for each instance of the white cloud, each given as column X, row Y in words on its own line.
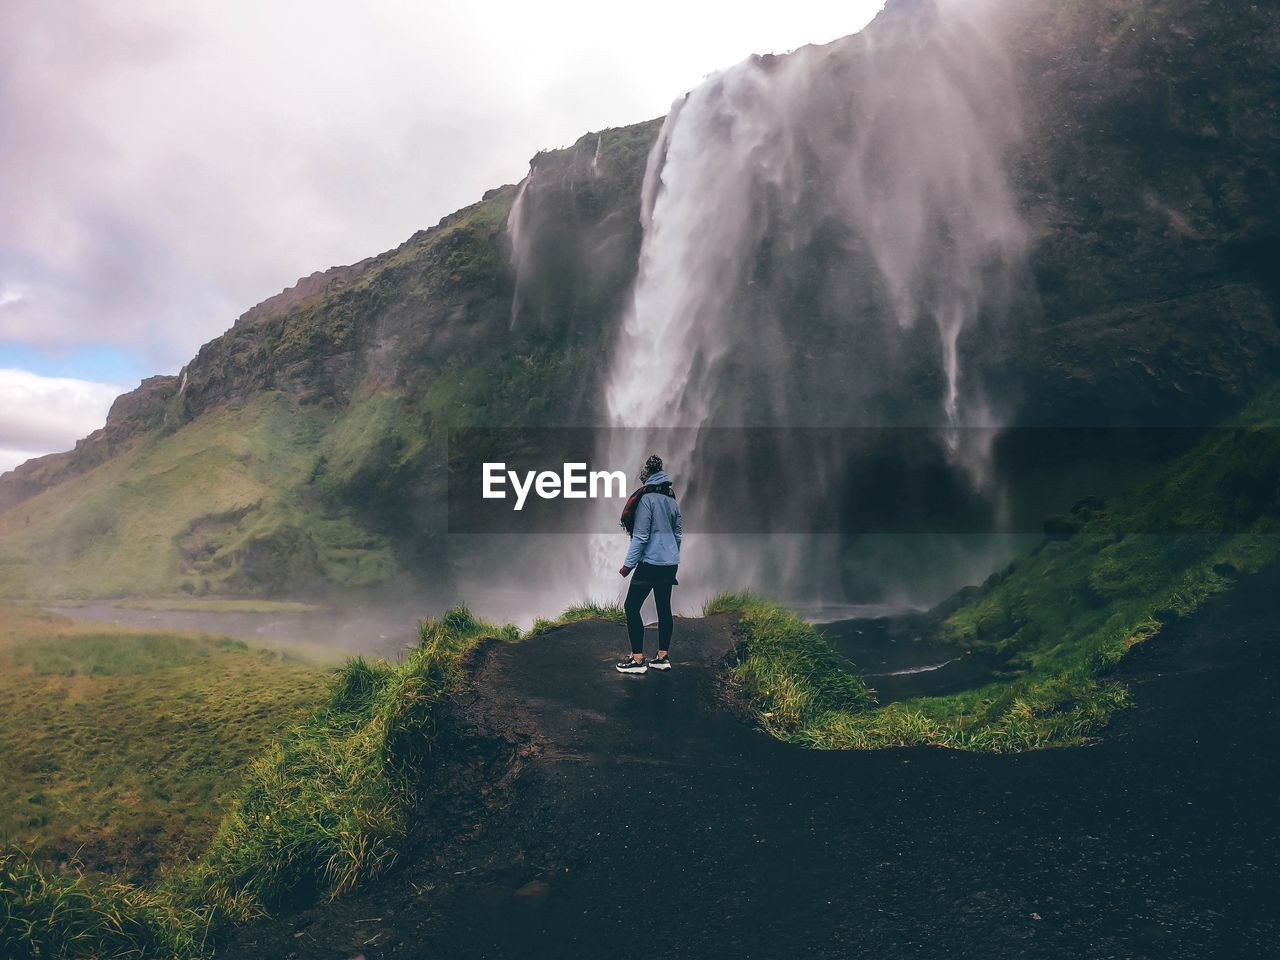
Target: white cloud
column 165, row 166
column 12, row 458
column 40, row 415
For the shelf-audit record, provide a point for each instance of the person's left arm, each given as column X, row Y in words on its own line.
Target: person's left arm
column 639, row 535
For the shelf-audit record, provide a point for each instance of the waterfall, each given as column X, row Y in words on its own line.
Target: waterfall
column 802, row 216
column 519, row 243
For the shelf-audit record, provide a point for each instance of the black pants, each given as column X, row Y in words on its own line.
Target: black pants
column 635, row 626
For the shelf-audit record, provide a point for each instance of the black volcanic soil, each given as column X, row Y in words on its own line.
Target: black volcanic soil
column 638, row 818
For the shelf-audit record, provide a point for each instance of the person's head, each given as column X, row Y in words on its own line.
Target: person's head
column 651, row 466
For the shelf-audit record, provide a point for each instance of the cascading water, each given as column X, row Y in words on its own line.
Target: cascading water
column 519, row 245
column 801, row 215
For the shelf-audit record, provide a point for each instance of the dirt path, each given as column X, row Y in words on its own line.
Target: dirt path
column 642, row 820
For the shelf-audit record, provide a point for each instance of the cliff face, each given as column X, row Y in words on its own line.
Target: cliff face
column 1149, row 176
column 451, row 294
column 1144, row 170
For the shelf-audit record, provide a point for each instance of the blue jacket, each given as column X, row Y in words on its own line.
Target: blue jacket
column 656, row 536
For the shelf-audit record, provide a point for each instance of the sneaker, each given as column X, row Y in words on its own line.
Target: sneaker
column 631, row 666
column 660, row 663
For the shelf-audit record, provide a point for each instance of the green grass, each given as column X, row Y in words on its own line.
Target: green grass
column 324, row 808
column 120, row 747
column 586, row 610
column 328, row 805
column 44, row 914
column 725, row 602
column 1062, row 616
column 786, row 671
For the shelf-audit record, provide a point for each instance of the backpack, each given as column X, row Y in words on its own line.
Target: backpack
column 628, row 521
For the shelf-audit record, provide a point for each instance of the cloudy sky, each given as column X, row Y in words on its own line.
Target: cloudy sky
column 164, row 166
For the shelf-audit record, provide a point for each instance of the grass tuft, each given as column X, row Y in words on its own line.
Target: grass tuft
column 327, row 808
column 44, row 914
column 727, row 601
column 586, row 610
column 785, row 669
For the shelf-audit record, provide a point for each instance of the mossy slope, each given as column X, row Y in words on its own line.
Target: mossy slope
column 221, row 505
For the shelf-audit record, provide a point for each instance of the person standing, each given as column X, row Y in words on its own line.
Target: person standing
column 654, row 555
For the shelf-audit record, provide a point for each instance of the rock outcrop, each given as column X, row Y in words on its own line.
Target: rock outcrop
column 131, row 414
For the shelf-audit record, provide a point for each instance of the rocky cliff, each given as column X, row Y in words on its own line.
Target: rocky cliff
column 1149, row 176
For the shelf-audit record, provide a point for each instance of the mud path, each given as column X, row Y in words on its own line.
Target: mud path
column 639, row 818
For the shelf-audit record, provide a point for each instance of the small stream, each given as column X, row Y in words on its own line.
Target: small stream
column 375, row 630
column 898, row 664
